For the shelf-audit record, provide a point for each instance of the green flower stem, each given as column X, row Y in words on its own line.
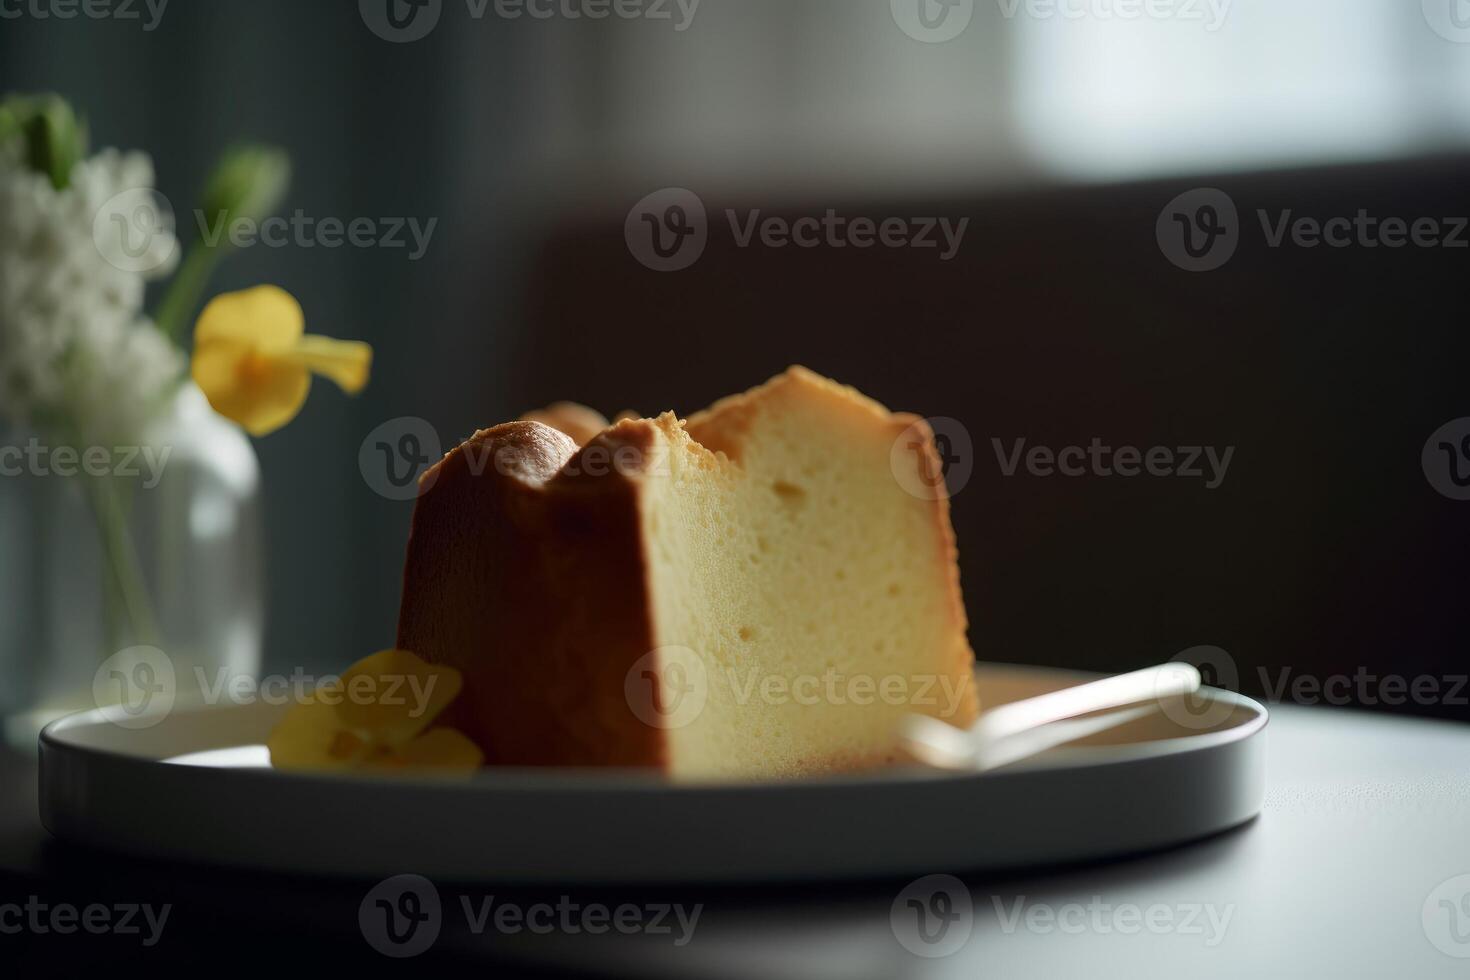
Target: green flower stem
column 121, row 558
column 182, row 297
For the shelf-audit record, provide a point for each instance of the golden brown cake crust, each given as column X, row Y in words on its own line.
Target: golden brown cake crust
column 515, row 562
column 572, row 418
column 525, row 568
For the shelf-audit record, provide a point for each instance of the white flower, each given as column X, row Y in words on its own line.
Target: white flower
column 74, row 345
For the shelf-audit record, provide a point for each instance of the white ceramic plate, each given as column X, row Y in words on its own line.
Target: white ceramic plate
column 192, row 788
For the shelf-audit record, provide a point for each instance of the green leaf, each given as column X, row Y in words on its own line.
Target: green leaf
column 10, row 124
column 54, row 138
column 247, row 184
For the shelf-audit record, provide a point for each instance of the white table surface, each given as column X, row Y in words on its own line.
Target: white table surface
column 1365, row 816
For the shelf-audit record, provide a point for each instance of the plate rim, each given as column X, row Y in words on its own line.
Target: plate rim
column 553, row 779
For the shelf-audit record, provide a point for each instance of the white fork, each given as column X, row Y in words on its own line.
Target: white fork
column 1022, row 729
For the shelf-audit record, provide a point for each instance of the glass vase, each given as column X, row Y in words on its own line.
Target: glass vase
column 160, row 545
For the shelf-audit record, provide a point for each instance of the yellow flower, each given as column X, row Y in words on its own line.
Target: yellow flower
column 374, row 716
column 253, row 359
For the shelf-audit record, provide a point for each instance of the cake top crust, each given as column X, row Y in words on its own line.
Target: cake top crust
column 558, row 448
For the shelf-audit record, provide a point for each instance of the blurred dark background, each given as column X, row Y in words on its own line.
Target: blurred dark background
column 1324, row 551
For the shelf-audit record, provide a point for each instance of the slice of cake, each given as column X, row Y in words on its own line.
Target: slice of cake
column 766, row 589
